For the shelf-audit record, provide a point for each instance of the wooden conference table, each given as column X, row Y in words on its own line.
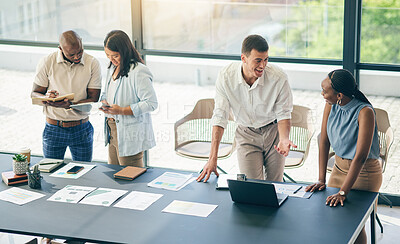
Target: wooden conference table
column 296, row 221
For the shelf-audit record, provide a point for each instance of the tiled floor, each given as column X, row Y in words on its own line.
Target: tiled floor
column 390, row 219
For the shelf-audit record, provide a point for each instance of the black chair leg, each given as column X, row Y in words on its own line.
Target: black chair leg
column 288, row 177
column 379, row 222
column 384, row 198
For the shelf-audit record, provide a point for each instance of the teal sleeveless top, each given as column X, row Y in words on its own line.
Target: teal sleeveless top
column 343, row 128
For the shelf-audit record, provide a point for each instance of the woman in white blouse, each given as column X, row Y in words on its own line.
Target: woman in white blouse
column 128, row 99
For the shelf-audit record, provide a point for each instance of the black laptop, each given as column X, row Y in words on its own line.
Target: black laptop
column 255, row 192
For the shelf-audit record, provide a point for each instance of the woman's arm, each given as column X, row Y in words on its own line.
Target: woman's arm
column 324, row 146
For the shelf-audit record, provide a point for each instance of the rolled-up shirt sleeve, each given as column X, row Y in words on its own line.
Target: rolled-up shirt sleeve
column 222, row 107
column 146, row 94
column 284, row 103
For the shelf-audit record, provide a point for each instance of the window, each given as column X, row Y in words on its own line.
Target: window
column 1, row 24
column 58, row 16
column 380, row 30
column 309, row 29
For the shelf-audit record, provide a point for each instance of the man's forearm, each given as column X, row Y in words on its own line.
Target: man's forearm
column 284, row 129
column 217, row 134
column 93, row 96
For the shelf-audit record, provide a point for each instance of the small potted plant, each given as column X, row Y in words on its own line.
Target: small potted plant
column 19, row 164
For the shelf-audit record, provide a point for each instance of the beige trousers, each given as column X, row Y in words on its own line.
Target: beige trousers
column 369, row 179
column 256, row 154
column 113, row 153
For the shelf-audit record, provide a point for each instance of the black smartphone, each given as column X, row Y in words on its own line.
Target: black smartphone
column 74, row 169
column 105, row 105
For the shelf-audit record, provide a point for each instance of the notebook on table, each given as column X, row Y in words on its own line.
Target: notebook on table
column 258, row 193
column 129, row 173
column 48, row 165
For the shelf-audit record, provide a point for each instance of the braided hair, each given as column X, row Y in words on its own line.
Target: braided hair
column 343, row 81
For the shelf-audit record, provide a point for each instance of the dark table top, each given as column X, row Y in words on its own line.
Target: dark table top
column 296, row 221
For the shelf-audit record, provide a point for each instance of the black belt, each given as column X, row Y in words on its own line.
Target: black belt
column 273, row 122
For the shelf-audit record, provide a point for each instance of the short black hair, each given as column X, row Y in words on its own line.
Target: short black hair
column 256, row 42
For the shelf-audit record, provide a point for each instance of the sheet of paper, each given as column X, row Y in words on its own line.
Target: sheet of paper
column 19, row 196
column 171, row 181
column 71, row 194
column 190, row 208
column 62, row 173
column 222, row 182
column 286, row 188
column 103, row 196
column 138, row 200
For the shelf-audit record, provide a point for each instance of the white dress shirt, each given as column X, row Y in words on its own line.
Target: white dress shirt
column 268, row 99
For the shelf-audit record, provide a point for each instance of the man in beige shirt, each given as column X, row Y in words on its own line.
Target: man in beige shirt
column 69, row 70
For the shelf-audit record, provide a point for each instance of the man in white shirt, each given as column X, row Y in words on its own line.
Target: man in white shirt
column 261, row 100
column 69, row 70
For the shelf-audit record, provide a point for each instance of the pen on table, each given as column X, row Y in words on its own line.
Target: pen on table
column 298, row 189
column 48, row 163
column 200, row 171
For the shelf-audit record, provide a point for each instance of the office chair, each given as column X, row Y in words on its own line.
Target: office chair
column 193, row 133
column 301, row 132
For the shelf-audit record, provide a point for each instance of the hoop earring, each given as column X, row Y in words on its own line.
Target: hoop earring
column 339, row 101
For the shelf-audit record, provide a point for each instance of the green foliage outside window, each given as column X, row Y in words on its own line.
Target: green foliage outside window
column 380, row 31
column 315, row 30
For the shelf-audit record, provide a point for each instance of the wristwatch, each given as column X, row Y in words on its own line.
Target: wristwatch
column 342, row 193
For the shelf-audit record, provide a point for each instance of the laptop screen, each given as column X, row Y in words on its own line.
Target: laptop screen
column 255, row 192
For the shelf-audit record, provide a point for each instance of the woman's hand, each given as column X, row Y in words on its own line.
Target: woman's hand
column 113, row 109
column 319, row 186
column 334, row 199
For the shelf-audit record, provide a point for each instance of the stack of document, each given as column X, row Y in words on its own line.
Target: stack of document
column 171, row 181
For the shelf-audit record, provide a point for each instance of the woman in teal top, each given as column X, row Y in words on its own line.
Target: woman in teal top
column 349, row 126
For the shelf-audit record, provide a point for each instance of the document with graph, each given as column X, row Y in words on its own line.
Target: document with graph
column 103, row 196
column 19, row 196
column 71, row 194
column 172, row 181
